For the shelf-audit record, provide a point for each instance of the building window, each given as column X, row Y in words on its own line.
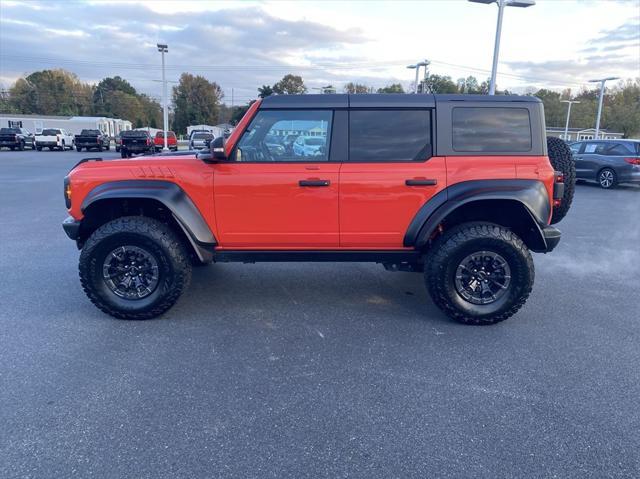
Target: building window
column 480, row 129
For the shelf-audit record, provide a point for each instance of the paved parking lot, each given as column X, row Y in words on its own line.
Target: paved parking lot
column 316, row 370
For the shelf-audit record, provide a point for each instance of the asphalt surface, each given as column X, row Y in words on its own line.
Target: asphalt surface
column 316, row 370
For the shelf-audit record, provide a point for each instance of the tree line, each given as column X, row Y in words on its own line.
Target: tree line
column 196, row 100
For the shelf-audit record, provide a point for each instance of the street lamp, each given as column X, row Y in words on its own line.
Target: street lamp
column 566, row 126
column 417, row 68
column 602, row 82
column 163, row 48
column 496, row 48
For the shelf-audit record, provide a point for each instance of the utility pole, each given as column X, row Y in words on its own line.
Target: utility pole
column 566, row 126
column 602, row 81
column 163, row 48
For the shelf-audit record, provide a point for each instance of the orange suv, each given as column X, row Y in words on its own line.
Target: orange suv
column 458, row 187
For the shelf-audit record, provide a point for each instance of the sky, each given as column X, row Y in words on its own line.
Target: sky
column 242, row 45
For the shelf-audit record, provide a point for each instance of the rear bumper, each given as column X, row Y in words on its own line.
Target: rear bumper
column 71, row 227
column 46, row 143
column 137, row 149
column 551, row 237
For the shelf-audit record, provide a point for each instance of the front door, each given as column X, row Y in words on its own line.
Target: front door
column 390, row 174
column 279, row 191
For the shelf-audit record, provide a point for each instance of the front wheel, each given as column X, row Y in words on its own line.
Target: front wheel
column 21, row 146
column 607, row 178
column 479, row 273
column 134, row 268
column 78, row 148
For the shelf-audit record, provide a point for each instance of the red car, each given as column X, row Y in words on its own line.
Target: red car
column 172, row 141
column 458, row 187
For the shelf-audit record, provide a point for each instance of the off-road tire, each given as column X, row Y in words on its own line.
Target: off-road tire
column 174, row 266
column 613, row 179
column 453, row 246
column 562, row 160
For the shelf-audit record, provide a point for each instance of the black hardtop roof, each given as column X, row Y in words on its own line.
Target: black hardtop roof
column 383, row 100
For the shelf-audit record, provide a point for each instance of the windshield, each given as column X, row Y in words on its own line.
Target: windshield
column 134, row 134
column 314, row 141
column 50, row 132
column 90, row 132
column 4, row 131
column 203, row 136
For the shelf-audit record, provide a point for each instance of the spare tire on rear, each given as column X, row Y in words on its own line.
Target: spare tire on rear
column 561, row 159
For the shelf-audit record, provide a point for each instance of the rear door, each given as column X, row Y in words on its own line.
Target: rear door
column 390, row 174
column 591, row 159
column 272, row 197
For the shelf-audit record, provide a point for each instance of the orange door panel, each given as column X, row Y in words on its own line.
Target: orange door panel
column 277, row 205
column 379, row 200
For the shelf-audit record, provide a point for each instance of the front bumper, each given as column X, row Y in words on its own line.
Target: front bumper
column 6, row 143
column 71, row 226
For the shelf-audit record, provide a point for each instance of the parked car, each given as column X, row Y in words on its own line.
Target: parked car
column 200, row 140
column 424, row 183
column 92, row 139
column 309, row 146
column 172, row 141
column 275, row 146
column 135, row 142
column 19, row 138
column 607, row 162
column 54, row 138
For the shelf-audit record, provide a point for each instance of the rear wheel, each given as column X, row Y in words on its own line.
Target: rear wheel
column 78, row 148
column 134, row 268
column 607, row 178
column 21, row 146
column 39, row 148
column 479, row 273
column 561, row 159
column 63, row 146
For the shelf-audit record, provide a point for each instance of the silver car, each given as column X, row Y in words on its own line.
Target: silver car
column 200, row 140
column 607, row 162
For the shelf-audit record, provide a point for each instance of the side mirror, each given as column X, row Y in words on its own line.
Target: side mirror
column 217, row 148
column 215, row 153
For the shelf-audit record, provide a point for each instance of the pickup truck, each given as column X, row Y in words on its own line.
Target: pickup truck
column 135, row 141
column 13, row 138
column 54, row 138
column 90, row 139
column 172, row 141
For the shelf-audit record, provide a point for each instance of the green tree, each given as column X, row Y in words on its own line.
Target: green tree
column 393, row 88
column 197, row 101
column 51, row 92
column 357, row 88
column 265, row 91
column 290, row 85
column 440, row 84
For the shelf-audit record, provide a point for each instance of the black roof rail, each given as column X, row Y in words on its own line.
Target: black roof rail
column 84, row 160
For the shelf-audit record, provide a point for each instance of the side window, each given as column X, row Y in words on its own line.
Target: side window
column 575, row 147
column 620, row 149
column 491, row 129
column 389, row 135
column 286, row 135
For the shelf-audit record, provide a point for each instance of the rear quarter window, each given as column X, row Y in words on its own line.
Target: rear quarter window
column 491, row 129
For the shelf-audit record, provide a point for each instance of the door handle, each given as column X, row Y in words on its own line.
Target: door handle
column 314, row 183
column 421, row 182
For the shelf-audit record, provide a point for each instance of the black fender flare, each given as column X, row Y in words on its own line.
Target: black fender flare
column 174, row 198
column 532, row 194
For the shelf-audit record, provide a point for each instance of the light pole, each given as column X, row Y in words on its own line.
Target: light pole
column 163, row 48
column 496, row 48
column 602, row 81
column 566, row 126
column 417, row 68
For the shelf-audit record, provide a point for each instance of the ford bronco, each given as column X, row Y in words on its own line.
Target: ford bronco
column 458, row 187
